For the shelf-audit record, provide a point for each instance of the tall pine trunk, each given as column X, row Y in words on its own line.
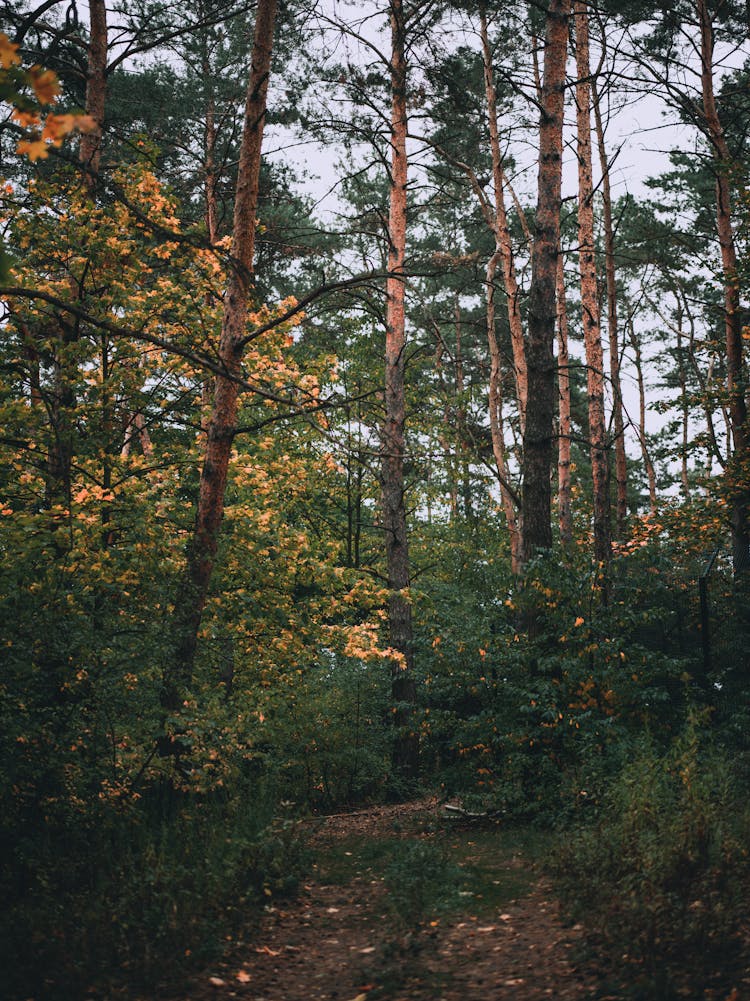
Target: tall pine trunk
column 503, row 246
column 590, row 294
column 221, row 429
column 564, row 511
column 403, row 691
column 621, row 465
column 539, row 433
column 503, row 255
column 736, row 369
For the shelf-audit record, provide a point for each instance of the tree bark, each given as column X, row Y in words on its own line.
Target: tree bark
column 507, row 495
column 621, row 465
column 403, row 691
column 539, row 432
column 63, row 394
column 590, row 294
column 645, row 454
column 503, row 246
column 96, row 92
column 564, row 512
column 224, row 408
column 736, row 370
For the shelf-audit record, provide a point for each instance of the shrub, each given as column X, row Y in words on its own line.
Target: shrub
column 660, row 876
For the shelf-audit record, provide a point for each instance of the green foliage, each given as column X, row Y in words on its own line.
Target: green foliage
column 422, row 881
column 139, row 895
column 659, row 875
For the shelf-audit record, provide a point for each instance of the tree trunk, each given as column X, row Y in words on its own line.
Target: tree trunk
column 96, row 90
column 540, row 411
column 736, row 374
column 621, row 465
column 63, row 395
column 645, row 454
column 684, row 405
column 503, row 246
column 589, row 294
column 403, row 691
column 221, row 429
column 564, row 513
column 507, row 495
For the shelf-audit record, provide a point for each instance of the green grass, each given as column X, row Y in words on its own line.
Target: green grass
column 475, row 870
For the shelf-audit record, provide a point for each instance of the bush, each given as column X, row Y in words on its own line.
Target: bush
column 421, row 881
column 140, row 897
column 660, row 875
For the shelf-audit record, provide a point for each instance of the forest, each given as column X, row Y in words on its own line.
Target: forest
column 374, row 496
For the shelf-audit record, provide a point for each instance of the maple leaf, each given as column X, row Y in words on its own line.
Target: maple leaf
column 35, row 149
column 45, row 84
column 8, row 52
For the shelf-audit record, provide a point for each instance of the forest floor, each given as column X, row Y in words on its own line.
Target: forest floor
column 405, row 904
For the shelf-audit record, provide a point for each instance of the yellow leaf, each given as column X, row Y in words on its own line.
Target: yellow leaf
column 8, row 52
column 45, row 84
column 35, row 149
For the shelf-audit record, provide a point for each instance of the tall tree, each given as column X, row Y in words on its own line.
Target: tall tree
column 737, row 383
column 539, row 433
column 590, row 292
column 405, row 753
column 621, row 467
column 224, row 408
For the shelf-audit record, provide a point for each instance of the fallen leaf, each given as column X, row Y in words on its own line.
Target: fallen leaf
column 268, row 952
column 217, row 982
column 243, row 977
column 487, row 928
column 332, row 910
column 505, row 917
column 370, row 948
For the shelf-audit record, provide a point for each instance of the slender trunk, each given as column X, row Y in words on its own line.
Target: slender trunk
column 461, row 423
column 540, row 411
column 213, row 480
column 564, row 512
column 31, row 354
column 736, row 373
column 645, row 454
column 443, row 433
column 503, row 246
column 63, row 394
column 589, row 294
column 211, row 214
column 507, row 495
column 621, row 465
column 685, row 405
column 96, row 91
column 704, row 384
column 403, row 690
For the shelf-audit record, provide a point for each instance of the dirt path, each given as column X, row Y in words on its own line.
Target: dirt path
column 343, row 940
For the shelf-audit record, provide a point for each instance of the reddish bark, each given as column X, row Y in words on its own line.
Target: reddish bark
column 222, row 425
column 403, row 691
column 96, row 91
column 590, row 295
column 539, row 433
